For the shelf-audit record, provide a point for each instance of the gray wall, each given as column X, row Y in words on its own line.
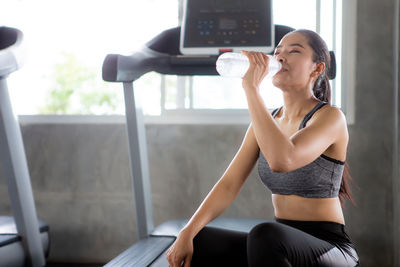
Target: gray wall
column 80, row 173
column 371, row 138
column 81, row 182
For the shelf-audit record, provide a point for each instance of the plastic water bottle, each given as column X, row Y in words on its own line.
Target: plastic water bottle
column 231, row 64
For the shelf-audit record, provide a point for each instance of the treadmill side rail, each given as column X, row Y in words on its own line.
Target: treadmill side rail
column 143, row 253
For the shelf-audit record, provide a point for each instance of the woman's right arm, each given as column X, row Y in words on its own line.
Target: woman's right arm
column 219, row 198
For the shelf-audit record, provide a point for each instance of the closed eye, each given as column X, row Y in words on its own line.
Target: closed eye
column 293, row 51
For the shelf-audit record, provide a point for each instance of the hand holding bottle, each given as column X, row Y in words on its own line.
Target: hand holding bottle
column 258, row 69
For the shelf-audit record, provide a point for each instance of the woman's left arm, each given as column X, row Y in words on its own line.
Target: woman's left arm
column 282, row 153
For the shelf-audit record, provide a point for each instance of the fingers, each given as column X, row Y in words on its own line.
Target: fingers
column 250, row 55
column 257, row 58
column 188, row 260
column 172, row 259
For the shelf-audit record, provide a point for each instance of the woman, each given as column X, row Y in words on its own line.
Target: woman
column 301, row 149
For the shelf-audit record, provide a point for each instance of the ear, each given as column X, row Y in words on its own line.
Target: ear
column 319, row 68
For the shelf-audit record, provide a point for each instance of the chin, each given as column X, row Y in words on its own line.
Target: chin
column 277, row 83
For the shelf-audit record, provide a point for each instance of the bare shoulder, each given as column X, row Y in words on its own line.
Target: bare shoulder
column 333, row 118
column 331, row 114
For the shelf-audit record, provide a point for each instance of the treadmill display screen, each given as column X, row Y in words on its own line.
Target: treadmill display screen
column 227, row 24
column 213, row 23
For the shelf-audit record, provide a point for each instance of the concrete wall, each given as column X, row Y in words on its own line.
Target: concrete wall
column 371, row 138
column 80, row 173
column 81, row 181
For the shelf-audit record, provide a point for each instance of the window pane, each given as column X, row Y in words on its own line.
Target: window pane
column 171, row 88
column 148, row 89
column 296, row 14
column 327, row 22
column 66, row 42
column 216, row 92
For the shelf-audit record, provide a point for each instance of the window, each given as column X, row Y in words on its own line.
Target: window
column 200, row 94
column 67, row 40
column 210, row 92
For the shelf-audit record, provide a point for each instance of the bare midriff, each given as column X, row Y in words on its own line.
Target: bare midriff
column 293, row 207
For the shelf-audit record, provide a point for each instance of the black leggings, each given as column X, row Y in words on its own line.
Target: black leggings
column 276, row 243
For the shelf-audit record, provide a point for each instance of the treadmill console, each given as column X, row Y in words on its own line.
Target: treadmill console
column 210, row 27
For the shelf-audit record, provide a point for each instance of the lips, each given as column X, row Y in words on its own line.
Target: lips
column 282, row 70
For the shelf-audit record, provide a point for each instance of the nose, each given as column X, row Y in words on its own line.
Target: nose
column 279, row 57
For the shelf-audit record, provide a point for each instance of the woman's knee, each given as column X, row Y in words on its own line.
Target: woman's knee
column 267, row 236
column 264, row 245
column 266, row 231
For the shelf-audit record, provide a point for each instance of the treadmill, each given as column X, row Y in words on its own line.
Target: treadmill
column 162, row 55
column 24, row 240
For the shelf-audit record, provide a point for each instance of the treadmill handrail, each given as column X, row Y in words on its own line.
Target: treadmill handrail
column 120, row 68
column 11, row 55
column 12, row 153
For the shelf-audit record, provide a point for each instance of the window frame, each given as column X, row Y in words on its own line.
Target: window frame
column 348, row 59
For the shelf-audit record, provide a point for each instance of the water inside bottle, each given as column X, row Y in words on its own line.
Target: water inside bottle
column 236, row 65
column 232, row 65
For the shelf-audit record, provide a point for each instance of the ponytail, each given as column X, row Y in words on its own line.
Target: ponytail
column 322, row 88
column 345, row 189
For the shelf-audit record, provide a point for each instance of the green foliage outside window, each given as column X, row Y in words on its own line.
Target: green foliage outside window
column 78, row 89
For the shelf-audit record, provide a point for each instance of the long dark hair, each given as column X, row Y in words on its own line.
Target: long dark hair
column 322, row 91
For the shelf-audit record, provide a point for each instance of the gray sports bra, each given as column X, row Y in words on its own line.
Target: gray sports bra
column 319, row 179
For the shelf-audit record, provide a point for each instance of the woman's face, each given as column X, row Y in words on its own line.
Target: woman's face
column 298, row 69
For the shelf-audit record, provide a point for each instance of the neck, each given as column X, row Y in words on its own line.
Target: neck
column 297, row 104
